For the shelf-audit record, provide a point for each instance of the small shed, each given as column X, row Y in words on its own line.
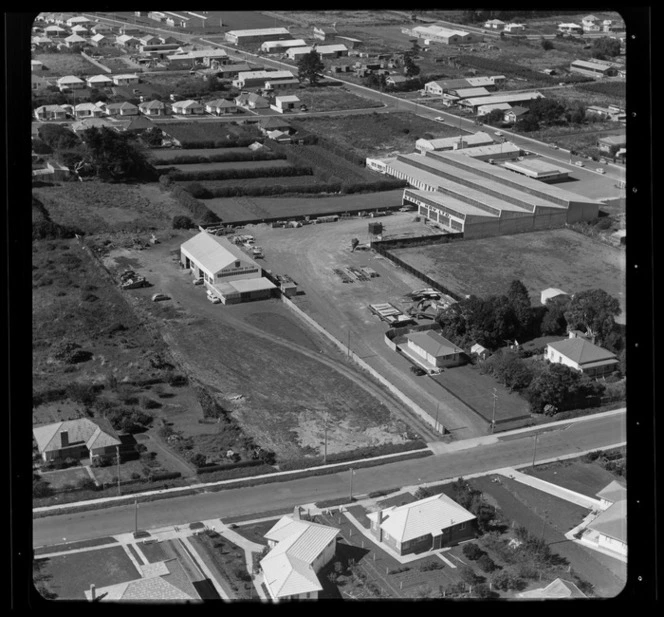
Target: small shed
column 551, row 292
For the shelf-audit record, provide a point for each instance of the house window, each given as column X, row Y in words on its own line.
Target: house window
column 462, row 526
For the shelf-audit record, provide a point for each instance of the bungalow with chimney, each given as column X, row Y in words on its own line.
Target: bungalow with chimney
column 424, row 525
column 70, row 82
column 81, row 438
column 221, row 107
column 152, row 108
column 99, row 81
column 250, row 100
column 121, row 109
column 299, row 550
column 50, row 112
column 580, row 354
column 188, row 108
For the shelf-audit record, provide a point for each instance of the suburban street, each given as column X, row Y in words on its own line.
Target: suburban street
column 515, row 449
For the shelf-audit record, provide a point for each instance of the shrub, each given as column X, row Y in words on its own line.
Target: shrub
column 86, row 484
column 431, row 565
column 507, row 580
column 41, row 488
column 182, row 222
column 472, row 551
column 102, row 461
column 148, row 403
column 486, row 563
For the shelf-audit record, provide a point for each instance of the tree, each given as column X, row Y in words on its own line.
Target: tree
column 554, row 321
column 527, row 123
column 494, row 118
column 182, row 222
column 58, row 137
column 519, row 300
column 410, row 68
column 594, row 311
column 605, row 47
column 115, row 156
column 547, row 45
column 310, row 66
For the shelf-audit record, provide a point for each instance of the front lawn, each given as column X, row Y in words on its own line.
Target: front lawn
column 71, row 575
column 62, row 478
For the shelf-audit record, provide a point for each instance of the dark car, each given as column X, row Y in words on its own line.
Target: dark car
column 417, row 370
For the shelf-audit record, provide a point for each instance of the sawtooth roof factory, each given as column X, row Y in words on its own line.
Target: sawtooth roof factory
column 465, row 194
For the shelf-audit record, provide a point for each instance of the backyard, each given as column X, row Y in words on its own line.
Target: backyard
column 333, row 98
column 61, row 64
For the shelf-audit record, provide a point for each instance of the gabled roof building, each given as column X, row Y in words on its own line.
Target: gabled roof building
column 80, row 438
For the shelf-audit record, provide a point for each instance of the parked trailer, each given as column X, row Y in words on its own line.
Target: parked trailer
column 328, row 219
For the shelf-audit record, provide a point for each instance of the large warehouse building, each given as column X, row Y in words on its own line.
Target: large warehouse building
column 465, row 194
column 226, row 270
column 257, row 35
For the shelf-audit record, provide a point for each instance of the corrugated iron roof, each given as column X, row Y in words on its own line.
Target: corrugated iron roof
column 582, row 351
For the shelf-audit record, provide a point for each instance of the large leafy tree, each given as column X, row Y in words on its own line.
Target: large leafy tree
column 410, row 68
column 605, row 47
column 554, row 321
column 594, row 311
column 519, row 300
column 115, row 156
column 310, row 67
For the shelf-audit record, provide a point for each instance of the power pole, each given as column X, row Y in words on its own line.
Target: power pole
column 352, row 471
column 117, row 448
column 535, row 449
column 493, row 415
column 136, row 517
column 325, row 450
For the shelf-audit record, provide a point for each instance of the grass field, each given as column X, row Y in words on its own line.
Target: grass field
column 377, row 134
column 539, row 259
column 333, row 99
column 196, row 132
column 97, row 207
column 232, row 209
column 258, row 182
column 71, row 575
column 164, row 155
column 60, row 64
column 193, row 167
column 64, row 477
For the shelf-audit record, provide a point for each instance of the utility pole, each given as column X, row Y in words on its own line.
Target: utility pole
column 348, row 346
column 136, row 517
column 493, row 415
column 352, row 471
column 325, row 450
column 117, row 449
column 535, row 449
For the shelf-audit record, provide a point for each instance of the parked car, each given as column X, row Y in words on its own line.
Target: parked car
column 214, row 299
column 439, row 119
column 579, row 163
column 417, row 370
column 159, row 297
column 405, row 209
column 498, row 134
column 600, row 170
column 198, row 281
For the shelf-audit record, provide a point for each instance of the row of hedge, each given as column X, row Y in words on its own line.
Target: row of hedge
column 283, row 189
column 353, row 455
column 237, row 174
column 217, row 143
column 198, row 209
column 225, row 157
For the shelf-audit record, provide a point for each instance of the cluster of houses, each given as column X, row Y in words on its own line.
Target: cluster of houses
column 498, row 25
column 592, row 24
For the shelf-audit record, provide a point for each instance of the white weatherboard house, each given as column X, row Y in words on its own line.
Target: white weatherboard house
column 608, row 530
column 226, row 270
column 432, row 350
column 299, row 550
column 582, row 355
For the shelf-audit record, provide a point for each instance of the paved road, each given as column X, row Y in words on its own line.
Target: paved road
column 514, row 449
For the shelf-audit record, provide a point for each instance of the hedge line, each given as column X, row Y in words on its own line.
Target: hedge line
column 217, row 143
column 225, row 157
column 237, row 174
column 353, row 455
column 197, row 208
column 228, row 466
column 323, row 187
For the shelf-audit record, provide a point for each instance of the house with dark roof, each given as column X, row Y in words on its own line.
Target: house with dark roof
column 424, row 525
column 81, row 438
column 582, row 355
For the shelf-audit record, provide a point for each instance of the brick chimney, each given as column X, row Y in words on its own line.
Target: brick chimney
column 93, row 594
column 64, row 439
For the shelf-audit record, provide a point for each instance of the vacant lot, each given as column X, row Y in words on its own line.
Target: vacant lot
column 71, row 575
column 192, row 133
column 539, row 259
column 233, row 209
column 60, row 64
column 333, row 99
column 97, row 207
column 377, row 134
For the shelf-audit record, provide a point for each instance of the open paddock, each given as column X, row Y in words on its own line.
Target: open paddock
column 559, row 258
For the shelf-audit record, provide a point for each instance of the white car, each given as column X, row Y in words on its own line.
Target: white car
column 600, row 170
column 579, row 163
column 214, row 299
column 439, row 119
column 498, row 134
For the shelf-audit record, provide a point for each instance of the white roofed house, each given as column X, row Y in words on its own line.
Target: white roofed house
column 432, row 351
column 78, row 20
column 99, row 81
column 50, row 112
column 221, row 107
column 152, row 108
column 188, row 108
column 88, row 110
column 99, row 40
column 494, row 24
column 590, row 23
column 252, row 79
column 513, row 28
column 79, row 29
column 285, row 103
column 70, row 82
column 226, row 270
column 128, row 41
column 36, row 65
column 75, row 39
column 453, row 143
column 424, row 525
column 251, row 100
column 607, row 532
column 121, row 109
column 299, row 549
column 570, row 28
column 271, row 47
column 125, row 79
column 78, row 439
